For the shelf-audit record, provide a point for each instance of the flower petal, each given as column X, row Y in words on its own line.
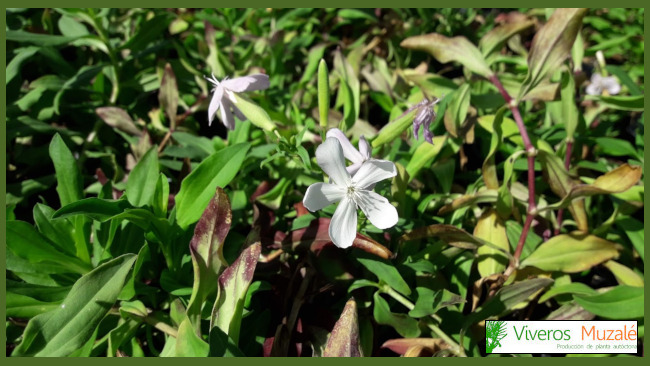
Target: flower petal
column 377, row 209
column 364, row 148
column 348, row 150
column 352, row 169
column 226, row 114
column 343, row 227
column 247, row 83
column 321, row 195
column 594, row 89
column 611, row 85
column 215, row 103
column 330, row 158
column 373, row 171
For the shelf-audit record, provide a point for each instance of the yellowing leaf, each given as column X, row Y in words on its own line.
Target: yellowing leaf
column 491, row 228
column 446, row 49
column 571, row 253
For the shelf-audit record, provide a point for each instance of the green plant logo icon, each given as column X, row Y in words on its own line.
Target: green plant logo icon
column 495, row 331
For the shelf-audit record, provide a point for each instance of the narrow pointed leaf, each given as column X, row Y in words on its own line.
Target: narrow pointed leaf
column 323, row 93
column 168, row 94
column 561, row 184
column 118, row 118
column 344, row 340
column 199, row 186
column 622, row 302
column 68, row 175
column 66, row 329
column 233, row 284
column 141, row 184
column 551, row 46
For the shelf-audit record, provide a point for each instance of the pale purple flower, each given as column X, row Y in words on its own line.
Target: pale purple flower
column 352, row 193
column 224, row 98
column 423, row 117
column 600, row 83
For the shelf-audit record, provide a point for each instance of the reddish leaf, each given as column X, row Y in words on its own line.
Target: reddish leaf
column 403, row 345
column 344, row 340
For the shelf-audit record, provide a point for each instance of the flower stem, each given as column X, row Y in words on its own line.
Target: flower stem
column 455, row 347
column 530, row 151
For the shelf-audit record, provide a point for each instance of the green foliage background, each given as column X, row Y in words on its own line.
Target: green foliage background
column 111, row 164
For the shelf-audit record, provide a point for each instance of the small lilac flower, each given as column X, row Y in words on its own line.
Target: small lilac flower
column 223, row 96
column 352, row 193
column 600, row 83
column 423, row 117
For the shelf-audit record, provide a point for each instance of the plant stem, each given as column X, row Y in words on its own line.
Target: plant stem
column 455, row 347
column 530, row 151
column 567, row 163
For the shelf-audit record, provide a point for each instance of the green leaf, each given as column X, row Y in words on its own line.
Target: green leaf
column 344, row 340
column 151, row 30
column 141, row 184
column 199, row 186
column 571, row 253
column 385, row 271
column 616, row 147
column 81, row 78
column 188, row 343
column 68, row 175
column 551, row 46
column 168, row 95
column 38, row 39
column 64, row 330
column 446, row 49
column 456, row 111
column 60, row 232
column 622, row 302
column 493, row 40
column 634, row 229
column 394, row 129
column 404, row 325
column 233, row 284
column 26, row 243
column 424, row 154
column 561, row 184
column 95, row 208
column 507, row 298
column 223, row 346
column 118, row 118
column 323, row 93
column 489, row 168
column 13, row 67
column 21, row 306
column 256, row 114
column 571, row 288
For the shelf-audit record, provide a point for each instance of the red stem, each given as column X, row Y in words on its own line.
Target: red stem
column 530, row 214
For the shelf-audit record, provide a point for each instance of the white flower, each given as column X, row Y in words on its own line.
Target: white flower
column 223, row 96
column 352, row 192
column 599, row 83
column 357, row 157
